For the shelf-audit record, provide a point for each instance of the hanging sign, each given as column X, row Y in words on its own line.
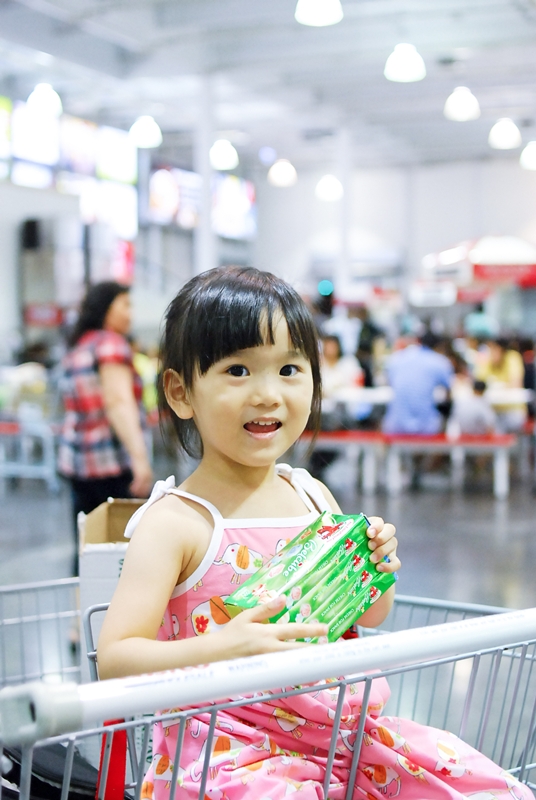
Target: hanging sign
column 43, row 315
column 424, row 294
column 504, row 273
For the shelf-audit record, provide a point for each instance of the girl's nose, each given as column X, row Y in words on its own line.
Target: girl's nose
column 266, row 392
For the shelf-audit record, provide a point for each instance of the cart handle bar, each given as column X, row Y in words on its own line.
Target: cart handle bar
column 35, row 711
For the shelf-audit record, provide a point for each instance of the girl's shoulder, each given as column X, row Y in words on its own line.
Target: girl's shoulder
column 170, row 511
column 176, row 511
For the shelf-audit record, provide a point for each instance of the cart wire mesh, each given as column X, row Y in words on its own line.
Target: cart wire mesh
column 40, row 632
column 486, row 694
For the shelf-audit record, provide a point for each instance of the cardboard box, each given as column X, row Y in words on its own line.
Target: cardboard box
column 102, row 548
column 324, row 573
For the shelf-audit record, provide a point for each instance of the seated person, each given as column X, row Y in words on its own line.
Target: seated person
column 338, row 372
column 472, row 413
column 503, row 367
column 415, row 373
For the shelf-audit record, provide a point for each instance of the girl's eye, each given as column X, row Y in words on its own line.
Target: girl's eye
column 289, row 370
column 238, row 371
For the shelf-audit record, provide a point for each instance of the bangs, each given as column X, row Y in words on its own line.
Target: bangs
column 235, row 315
column 242, row 326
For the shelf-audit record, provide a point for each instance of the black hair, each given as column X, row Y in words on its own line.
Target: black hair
column 331, row 337
column 429, row 339
column 220, row 312
column 479, row 386
column 501, row 341
column 94, row 308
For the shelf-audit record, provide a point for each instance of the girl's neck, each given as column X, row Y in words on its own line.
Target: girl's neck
column 239, row 491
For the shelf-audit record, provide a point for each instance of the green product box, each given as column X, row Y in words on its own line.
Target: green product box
column 324, row 574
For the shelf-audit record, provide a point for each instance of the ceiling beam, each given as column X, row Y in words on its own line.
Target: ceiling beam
column 34, row 29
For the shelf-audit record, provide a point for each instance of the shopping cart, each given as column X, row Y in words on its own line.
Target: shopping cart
column 39, row 632
column 474, row 674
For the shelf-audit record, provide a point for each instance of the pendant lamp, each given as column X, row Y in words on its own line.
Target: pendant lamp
column 504, row 135
column 282, row 173
column 405, row 64
column 45, row 100
column 223, row 155
column 461, row 105
column 318, row 13
column 527, row 159
column 145, row 133
column 329, row 189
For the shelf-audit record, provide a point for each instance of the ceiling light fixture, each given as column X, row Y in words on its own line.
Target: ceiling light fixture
column 45, row 100
column 504, row 135
column 145, row 133
column 329, row 189
column 527, row 159
column 223, row 155
column 461, row 105
column 405, row 64
column 282, row 173
column 318, row 13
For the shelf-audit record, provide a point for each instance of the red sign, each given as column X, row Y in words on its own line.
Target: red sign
column 503, row 273
column 43, row 315
column 123, row 259
column 473, row 294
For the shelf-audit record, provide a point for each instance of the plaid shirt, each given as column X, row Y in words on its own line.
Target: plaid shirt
column 88, row 447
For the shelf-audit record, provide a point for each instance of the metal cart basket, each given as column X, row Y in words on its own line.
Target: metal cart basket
column 39, row 632
column 469, row 669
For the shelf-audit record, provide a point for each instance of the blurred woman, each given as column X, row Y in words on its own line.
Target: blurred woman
column 504, row 368
column 338, row 372
column 102, row 448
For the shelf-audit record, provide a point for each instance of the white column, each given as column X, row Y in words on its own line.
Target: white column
column 344, row 169
column 205, row 251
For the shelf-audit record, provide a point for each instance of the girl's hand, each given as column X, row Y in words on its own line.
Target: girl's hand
column 248, row 634
column 383, row 543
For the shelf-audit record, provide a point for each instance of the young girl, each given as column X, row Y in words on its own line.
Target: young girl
column 241, row 377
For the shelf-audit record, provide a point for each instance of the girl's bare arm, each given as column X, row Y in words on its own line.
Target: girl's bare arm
column 158, row 553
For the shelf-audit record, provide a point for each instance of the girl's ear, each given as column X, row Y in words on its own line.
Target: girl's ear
column 177, row 395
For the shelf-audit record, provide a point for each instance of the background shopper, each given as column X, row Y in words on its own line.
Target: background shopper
column 102, row 448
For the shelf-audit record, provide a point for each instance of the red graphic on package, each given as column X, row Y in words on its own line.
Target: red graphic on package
column 357, row 561
column 327, row 531
column 366, row 578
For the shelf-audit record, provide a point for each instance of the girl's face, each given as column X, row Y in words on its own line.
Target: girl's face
column 119, row 316
column 250, row 407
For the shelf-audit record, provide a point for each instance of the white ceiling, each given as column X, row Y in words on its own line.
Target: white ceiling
column 278, row 83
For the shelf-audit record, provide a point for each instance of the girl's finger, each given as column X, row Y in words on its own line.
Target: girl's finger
column 263, row 611
column 381, row 549
column 376, row 525
column 382, row 537
column 297, row 630
column 389, row 564
column 379, row 553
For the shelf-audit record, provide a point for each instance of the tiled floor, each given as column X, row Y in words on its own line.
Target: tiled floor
column 463, row 546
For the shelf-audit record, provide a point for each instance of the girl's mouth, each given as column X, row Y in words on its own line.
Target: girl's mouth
column 262, row 426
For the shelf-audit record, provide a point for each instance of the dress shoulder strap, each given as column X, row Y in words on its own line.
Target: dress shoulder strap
column 161, row 489
column 306, row 486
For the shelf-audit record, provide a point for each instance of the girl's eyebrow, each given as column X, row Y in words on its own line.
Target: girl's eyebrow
column 240, row 353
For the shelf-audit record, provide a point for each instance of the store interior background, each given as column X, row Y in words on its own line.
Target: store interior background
column 414, row 183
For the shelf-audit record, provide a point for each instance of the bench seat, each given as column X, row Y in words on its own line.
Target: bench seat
column 498, row 445
column 368, row 447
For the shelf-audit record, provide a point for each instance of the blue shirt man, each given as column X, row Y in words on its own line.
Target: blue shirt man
column 414, row 373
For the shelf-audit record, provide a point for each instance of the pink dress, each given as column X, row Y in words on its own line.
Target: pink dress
column 273, row 748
